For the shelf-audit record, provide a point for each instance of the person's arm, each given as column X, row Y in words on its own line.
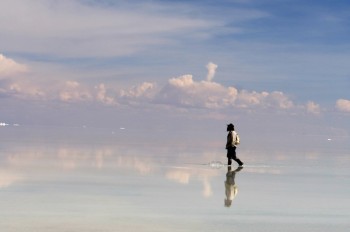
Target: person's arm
column 229, row 140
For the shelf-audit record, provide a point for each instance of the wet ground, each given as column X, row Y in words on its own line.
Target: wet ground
column 111, row 185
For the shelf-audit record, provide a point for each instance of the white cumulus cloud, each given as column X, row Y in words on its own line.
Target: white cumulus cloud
column 275, row 99
column 343, row 105
column 211, row 71
column 9, row 67
column 183, row 91
column 72, row 91
column 141, row 90
column 102, row 95
column 312, row 107
column 22, row 89
column 142, row 93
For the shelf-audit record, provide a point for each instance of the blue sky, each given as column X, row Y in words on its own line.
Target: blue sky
column 67, row 60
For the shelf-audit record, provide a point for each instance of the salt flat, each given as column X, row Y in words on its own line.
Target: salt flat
column 104, row 183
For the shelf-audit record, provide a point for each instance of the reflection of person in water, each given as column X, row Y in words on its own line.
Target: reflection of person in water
column 231, row 144
column 231, row 189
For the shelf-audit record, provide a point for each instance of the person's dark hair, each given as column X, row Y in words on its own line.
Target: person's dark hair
column 230, row 127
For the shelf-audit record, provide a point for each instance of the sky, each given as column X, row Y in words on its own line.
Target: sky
column 273, row 66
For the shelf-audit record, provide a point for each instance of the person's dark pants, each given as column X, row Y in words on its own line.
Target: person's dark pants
column 231, row 154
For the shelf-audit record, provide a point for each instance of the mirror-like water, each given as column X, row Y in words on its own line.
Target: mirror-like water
column 108, row 185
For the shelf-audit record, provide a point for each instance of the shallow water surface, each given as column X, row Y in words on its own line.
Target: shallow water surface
column 58, row 185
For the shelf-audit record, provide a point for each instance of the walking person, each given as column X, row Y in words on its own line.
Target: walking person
column 232, row 143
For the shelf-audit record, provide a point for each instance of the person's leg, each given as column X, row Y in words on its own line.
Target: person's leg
column 240, row 163
column 229, row 156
